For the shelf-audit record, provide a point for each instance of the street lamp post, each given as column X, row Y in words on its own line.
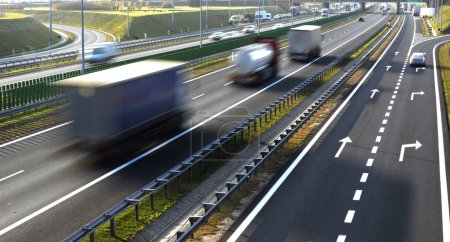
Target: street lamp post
column 314, row 12
column 82, row 39
column 259, row 16
column 173, row 22
column 206, row 14
column 50, row 22
column 128, row 19
column 201, row 34
column 229, row 9
column 292, row 13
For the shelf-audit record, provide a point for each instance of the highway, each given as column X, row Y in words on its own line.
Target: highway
column 128, row 56
column 59, row 185
column 90, row 37
column 377, row 170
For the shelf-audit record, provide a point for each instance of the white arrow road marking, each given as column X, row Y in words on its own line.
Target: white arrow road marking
column 373, row 92
column 416, row 145
column 344, row 141
column 396, row 53
column 420, row 68
column 416, row 93
column 388, row 67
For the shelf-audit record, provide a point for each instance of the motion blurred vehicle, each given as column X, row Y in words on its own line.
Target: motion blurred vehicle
column 124, row 100
column 230, row 35
column 249, row 29
column 315, row 10
column 278, row 25
column 417, row 59
column 416, row 11
column 263, row 16
column 256, row 63
column 325, row 12
column 384, row 12
column 361, row 19
column 304, row 42
column 101, row 52
column 216, row 35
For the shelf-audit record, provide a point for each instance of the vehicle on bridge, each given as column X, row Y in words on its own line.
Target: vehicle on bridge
column 304, row 42
column 256, row 63
column 325, row 12
column 121, row 101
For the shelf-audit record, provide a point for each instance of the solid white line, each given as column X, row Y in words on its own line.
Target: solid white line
column 384, row 121
column 357, row 195
column 17, row 173
column 374, row 150
column 35, row 134
column 349, row 217
column 364, row 177
column 299, row 158
column 442, row 172
column 108, row 174
column 369, row 162
column 378, row 139
column 201, row 95
column 341, row 238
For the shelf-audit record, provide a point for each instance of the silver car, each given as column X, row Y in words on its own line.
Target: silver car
column 417, row 59
column 216, row 35
column 249, row 29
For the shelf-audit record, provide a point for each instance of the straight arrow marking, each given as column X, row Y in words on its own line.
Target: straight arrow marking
column 388, row 67
column 396, row 53
column 416, row 145
column 416, row 93
column 344, row 141
column 373, row 92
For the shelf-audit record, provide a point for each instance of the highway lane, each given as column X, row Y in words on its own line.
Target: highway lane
column 62, row 171
column 366, row 193
column 47, row 72
column 90, row 37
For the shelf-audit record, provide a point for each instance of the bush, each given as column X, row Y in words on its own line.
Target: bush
column 166, row 5
column 87, row 6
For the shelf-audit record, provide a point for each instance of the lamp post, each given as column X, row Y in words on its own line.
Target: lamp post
column 50, row 22
column 128, row 19
column 314, row 12
column 82, row 39
column 173, row 21
column 229, row 9
column 201, row 34
column 206, row 15
column 259, row 16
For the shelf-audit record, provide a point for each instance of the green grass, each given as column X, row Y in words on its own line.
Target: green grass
column 444, row 63
column 140, row 21
column 23, row 35
column 445, row 20
column 13, row 16
column 424, row 27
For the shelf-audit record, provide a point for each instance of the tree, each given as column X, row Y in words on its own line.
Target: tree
column 194, row 3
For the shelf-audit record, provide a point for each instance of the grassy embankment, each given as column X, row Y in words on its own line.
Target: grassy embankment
column 445, row 20
column 154, row 23
column 23, row 34
column 444, row 63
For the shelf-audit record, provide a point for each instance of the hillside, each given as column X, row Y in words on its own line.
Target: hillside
column 22, row 33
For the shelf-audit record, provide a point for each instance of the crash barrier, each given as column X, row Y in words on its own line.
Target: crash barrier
column 221, row 147
column 11, row 66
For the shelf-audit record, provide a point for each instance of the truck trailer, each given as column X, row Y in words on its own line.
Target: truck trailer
column 304, row 42
column 256, row 63
column 115, row 102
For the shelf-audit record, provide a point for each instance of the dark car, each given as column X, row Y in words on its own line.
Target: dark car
column 361, row 19
column 417, row 59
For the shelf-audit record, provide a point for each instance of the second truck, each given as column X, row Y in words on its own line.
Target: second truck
column 304, row 42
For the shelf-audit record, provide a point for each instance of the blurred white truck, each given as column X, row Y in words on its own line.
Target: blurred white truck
column 304, row 42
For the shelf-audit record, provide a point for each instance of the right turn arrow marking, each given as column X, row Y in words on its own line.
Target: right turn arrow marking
column 416, row 145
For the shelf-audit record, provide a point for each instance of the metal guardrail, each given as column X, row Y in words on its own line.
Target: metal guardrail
column 6, row 67
column 218, row 148
column 194, row 222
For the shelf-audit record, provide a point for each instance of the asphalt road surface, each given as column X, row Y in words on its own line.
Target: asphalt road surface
column 388, row 184
column 53, row 189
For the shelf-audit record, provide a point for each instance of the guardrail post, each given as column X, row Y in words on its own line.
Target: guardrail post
column 112, row 227
column 152, row 201
column 136, row 209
